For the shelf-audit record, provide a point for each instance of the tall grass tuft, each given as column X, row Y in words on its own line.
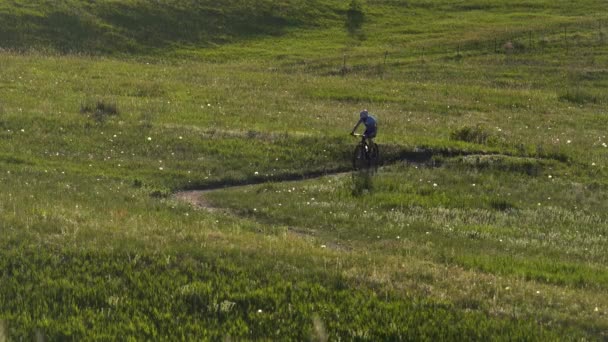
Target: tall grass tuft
column 578, row 96
column 476, row 135
column 362, row 183
column 3, row 331
column 500, row 204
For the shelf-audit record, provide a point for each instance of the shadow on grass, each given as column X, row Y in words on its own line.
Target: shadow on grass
column 392, row 154
column 362, row 182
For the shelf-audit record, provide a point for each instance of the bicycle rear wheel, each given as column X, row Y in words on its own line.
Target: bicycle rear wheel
column 374, row 156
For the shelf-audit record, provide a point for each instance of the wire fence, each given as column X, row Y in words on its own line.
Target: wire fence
column 567, row 39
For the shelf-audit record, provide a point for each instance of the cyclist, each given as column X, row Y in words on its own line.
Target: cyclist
column 371, row 127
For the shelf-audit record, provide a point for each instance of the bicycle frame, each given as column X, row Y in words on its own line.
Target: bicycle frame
column 364, row 140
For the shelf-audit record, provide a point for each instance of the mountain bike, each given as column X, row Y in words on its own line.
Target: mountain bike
column 366, row 155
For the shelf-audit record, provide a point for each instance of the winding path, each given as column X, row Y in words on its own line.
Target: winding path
column 196, row 197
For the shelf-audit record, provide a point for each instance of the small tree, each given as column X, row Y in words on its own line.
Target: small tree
column 354, row 17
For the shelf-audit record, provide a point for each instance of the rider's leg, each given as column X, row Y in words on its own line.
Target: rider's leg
column 369, row 135
column 366, row 142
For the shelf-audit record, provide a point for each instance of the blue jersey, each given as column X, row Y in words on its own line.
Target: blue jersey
column 369, row 122
column 371, row 127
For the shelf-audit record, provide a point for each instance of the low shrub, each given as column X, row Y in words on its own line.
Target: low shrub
column 99, row 110
column 500, row 204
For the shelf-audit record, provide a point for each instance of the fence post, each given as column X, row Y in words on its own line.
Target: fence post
column 543, row 41
column 566, row 39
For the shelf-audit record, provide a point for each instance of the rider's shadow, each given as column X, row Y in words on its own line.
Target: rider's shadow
column 362, row 182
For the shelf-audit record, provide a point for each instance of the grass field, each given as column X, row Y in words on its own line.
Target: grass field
column 487, row 220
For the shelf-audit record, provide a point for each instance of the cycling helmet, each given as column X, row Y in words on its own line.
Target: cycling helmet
column 363, row 114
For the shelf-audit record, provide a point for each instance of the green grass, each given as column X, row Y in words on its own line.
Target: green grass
column 496, row 231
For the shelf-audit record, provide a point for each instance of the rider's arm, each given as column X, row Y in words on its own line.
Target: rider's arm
column 355, row 128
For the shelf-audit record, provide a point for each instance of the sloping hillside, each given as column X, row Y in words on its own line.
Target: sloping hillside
column 137, row 26
column 140, row 26
column 488, row 219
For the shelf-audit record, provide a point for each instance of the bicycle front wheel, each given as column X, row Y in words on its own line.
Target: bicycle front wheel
column 359, row 159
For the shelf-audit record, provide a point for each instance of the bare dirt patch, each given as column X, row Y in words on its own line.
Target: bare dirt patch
column 196, row 198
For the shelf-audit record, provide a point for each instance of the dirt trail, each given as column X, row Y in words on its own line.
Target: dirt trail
column 197, row 197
